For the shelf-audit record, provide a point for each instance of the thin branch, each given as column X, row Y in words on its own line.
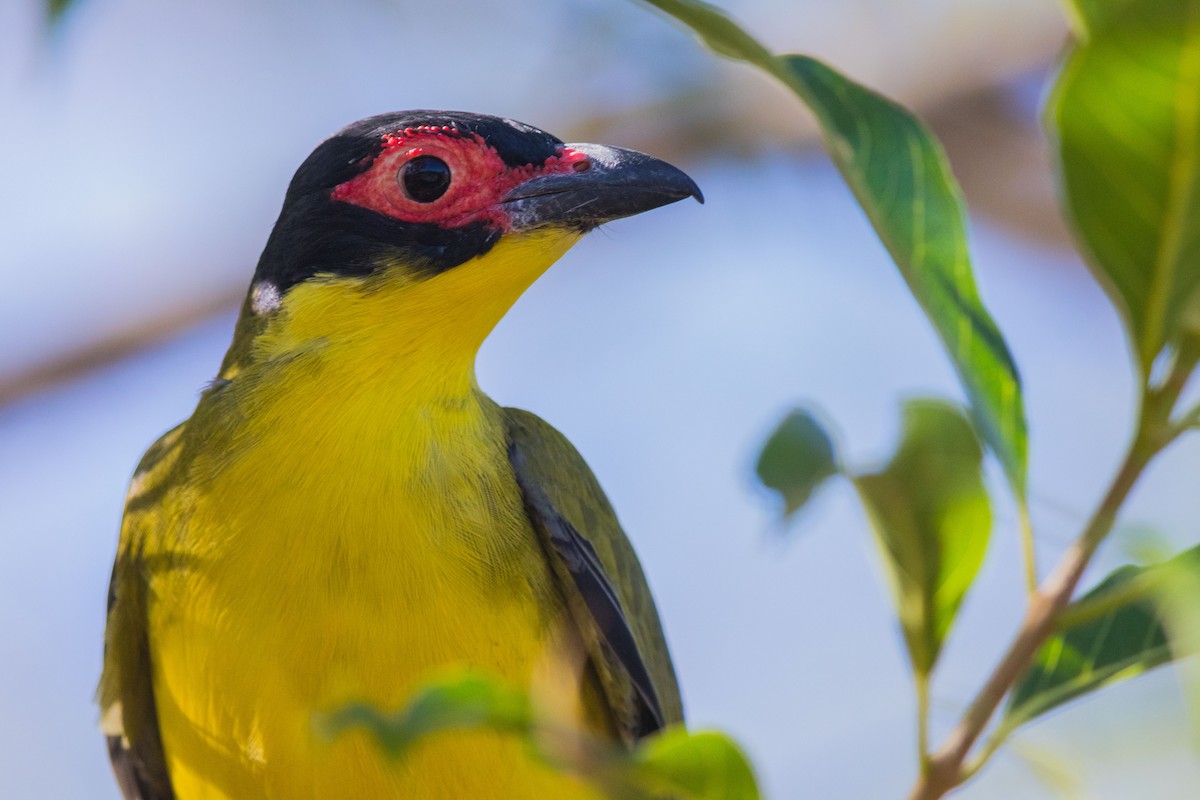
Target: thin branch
column 95, row 355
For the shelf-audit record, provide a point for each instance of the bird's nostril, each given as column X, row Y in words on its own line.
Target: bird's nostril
column 582, row 165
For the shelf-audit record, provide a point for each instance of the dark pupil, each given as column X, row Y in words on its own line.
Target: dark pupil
column 425, row 178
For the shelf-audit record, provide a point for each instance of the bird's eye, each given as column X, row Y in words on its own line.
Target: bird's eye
column 425, row 178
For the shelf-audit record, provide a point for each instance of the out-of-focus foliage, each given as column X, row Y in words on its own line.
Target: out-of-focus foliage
column 797, row 458
column 704, row 765
column 1123, row 633
column 701, row 765
column 1125, row 114
column 1090, row 16
column 930, row 512
column 901, row 177
column 56, row 8
column 453, row 702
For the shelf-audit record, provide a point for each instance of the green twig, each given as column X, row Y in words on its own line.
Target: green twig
column 1028, row 550
column 922, row 683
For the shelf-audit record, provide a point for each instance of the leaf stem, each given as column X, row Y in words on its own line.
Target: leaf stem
column 1028, row 551
column 922, row 684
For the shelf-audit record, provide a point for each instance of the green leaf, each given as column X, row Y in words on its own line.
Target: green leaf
column 930, row 513
column 1125, row 114
column 690, row 766
column 796, row 459
column 903, row 182
column 717, row 31
column 458, row 700
column 705, row 765
column 1119, row 630
column 1090, row 17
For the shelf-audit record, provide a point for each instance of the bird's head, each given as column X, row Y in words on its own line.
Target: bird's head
column 419, row 229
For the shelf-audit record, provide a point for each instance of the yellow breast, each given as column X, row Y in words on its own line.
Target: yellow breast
column 330, row 542
column 311, row 574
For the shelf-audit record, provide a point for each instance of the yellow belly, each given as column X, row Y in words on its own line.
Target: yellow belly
column 309, row 575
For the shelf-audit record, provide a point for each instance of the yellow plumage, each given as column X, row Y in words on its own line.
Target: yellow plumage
column 355, row 557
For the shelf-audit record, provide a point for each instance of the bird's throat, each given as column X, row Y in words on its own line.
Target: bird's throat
column 398, row 326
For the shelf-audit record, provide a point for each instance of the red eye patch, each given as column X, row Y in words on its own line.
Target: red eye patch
column 479, row 178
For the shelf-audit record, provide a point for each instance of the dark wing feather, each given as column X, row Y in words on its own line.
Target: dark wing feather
column 600, row 575
column 126, row 693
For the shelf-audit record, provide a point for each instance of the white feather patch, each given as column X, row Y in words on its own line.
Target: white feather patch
column 264, row 298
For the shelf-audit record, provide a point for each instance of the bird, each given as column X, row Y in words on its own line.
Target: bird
column 346, row 513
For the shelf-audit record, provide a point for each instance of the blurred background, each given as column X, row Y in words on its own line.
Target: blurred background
column 145, row 147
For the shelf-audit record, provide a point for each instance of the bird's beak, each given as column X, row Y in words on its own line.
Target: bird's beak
column 616, row 183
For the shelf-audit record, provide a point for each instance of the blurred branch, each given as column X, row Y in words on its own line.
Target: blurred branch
column 1002, row 162
column 90, row 356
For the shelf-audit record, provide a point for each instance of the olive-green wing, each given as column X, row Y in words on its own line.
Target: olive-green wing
column 129, row 716
column 600, row 575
